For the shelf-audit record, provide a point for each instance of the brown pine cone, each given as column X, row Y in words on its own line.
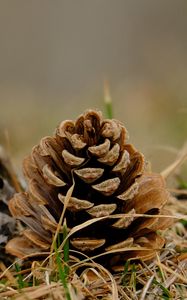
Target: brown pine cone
column 110, row 181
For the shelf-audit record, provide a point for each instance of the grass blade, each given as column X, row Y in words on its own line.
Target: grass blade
column 61, row 271
column 108, row 101
column 66, row 249
column 21, row 283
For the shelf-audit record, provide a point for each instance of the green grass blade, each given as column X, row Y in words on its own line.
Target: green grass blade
column 166, row 293
column 21, row 283
column 133, row 269
column 62, row 275
column 66, row 249
column 126, row 268
column 108, row 101
column 181, row 183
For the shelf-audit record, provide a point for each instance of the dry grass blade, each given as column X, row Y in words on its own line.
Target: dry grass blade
column 175, row 273
column 67, row 198
column 8, row 273
column 31, row 292
column 102, row 274
column 181, row 157
column 146, row 287
column 178, row 191
column 94, row 220
column 114, row 288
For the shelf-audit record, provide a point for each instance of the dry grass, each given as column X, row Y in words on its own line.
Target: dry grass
column 163, row 278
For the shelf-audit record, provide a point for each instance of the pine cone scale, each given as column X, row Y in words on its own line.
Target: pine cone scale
column 75, row 204
column 107, row 187
column 52, row 178
column 102, row 210
column 100, row 150
column 87, row 244
column 89, row 175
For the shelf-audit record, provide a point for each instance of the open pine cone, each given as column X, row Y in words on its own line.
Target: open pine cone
column 110, row 181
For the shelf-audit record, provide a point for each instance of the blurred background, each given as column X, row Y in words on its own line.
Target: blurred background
column 55, row 55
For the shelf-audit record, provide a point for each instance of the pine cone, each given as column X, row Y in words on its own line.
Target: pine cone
column 110, row 182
